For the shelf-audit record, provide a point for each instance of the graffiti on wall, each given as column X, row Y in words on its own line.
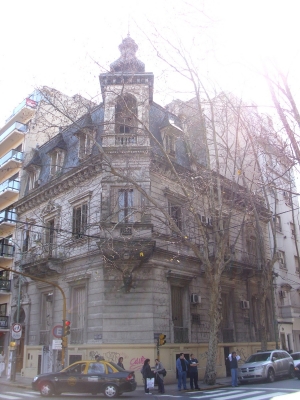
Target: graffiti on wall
column 136, row 363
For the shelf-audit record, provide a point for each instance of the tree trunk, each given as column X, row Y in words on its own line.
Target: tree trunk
column 214, row 322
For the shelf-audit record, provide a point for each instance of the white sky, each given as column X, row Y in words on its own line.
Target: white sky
column 59, row 43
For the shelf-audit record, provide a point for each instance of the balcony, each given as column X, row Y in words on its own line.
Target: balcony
column 3, row 322
column 5, row 285
column 7, row 222
column 12, row 136
column 9, row 191
column 24, row 111
column 181, row 335
column 289, row 311
column 10, row 163
column 6, row 250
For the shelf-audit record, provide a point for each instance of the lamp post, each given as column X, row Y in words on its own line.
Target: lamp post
column 65, row 341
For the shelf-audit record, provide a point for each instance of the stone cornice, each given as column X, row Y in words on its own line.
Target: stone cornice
column 59, row 185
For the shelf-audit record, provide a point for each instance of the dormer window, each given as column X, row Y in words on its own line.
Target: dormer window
column 86, row 140
column 56, row 161
column 33, row 178
column 170, row 144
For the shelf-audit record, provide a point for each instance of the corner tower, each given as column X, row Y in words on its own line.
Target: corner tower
column 127, row 92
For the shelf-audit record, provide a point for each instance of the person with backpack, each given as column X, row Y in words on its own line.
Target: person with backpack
column 158, row 369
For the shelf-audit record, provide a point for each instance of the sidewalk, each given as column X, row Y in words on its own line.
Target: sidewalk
column 25, row 383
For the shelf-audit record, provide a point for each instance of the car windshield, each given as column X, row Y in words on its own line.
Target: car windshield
column 296, row 356
column 259, row 357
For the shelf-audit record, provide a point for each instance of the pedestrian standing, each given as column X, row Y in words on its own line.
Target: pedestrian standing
column 182, row 367
column 147, row 373
column 159, row 376
column 2, row 363
column 233, row 359
column 193, row 369
column 120, row 362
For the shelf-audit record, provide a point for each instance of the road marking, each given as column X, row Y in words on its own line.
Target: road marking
column 21, row 394
column 213, row 393
column 244, row 393
column 267, row 396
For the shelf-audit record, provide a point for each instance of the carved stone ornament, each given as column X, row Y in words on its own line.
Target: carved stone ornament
column 126, row 257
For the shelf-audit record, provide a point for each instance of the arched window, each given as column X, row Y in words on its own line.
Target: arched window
column 126, row 114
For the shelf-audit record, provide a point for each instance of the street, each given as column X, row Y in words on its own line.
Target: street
column 288, row 389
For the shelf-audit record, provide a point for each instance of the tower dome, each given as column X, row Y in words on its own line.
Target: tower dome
column 127, row 63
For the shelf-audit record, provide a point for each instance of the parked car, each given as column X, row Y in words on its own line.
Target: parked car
column 266, row 365
column 87, row 377
column 296, row 358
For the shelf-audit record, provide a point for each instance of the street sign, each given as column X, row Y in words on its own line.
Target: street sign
column 16, row 331
column 17, row 328
column 57, row 331
column 56, row 344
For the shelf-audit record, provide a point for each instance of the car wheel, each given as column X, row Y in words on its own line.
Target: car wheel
column 46, row 389
column 292, row 372
column 271, row 375
column 110, row 391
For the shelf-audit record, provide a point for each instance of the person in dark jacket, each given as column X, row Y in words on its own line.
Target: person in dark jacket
column 147, row 373
column 120, row 362
column 193, row 369
column 233, row 359
column 182, row 367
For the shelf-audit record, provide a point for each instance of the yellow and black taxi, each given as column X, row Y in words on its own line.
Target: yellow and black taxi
column 87, row 377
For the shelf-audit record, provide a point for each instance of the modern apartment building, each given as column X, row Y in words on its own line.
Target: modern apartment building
column 12, row 146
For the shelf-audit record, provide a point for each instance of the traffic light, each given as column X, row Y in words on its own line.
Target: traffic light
column 67, row 327
column 162, row 339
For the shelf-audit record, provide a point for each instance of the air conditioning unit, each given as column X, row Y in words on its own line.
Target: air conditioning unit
column 282, row 294
column 195, row 298
column 245, row 305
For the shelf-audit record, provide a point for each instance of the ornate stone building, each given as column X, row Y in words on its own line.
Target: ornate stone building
column 105, row 217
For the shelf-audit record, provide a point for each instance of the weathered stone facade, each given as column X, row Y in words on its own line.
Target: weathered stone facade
column 97, row 228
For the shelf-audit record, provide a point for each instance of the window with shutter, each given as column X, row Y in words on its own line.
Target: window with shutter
column 80, row 216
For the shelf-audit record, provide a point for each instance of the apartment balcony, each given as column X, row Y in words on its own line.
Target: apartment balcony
column 289, row 311
column 5, row 285
column 7, row 222
column 3, row 322
column 6, row 253
column 11, row 136
column 23, row 112
column 10, row 163
column 9, row 191
column 181, row 335
column 43, row 259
